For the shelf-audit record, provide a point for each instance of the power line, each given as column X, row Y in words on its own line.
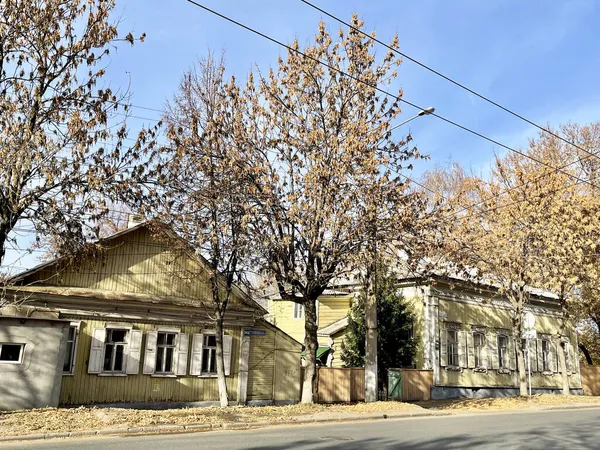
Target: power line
column 519, row 116
column 341, row 72
column 447, row 78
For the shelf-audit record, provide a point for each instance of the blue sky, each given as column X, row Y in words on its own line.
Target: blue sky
column 539, row 58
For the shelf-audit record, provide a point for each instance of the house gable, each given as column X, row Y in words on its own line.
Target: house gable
column 133, row 261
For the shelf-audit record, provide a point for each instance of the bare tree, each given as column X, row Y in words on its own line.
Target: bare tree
column 203, row 195
column 62, row 157
column 327, row 170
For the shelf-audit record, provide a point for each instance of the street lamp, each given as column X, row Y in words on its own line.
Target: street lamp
column 423, row 112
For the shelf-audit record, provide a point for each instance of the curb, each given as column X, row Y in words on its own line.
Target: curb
column 216, row 426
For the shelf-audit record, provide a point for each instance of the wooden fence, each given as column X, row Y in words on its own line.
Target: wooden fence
column 416, row 385
column 590, row 380
column 337, row 385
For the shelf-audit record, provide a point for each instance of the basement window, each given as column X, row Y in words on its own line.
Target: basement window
column 11, row 353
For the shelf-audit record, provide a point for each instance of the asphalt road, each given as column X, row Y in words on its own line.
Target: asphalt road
column 549, row 430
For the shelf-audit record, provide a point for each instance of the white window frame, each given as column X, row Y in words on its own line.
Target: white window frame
column 164, row 347
column 75, row 341
column 452, row 357
column 125, row 343
column 298, row 311
column 205, row 334
column 503, row 352
column 21, row 352
column 478, row 356
column 546, row 355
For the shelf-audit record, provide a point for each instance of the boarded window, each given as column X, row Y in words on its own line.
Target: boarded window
column 452, row 345
column 11, row 353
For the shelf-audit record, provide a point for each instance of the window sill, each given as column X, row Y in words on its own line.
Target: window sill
column 453, row 369
column 68, row 374
column 206, row 375
column 504, row 371
column 163, row 375
column 112, row 374
column 480, row 370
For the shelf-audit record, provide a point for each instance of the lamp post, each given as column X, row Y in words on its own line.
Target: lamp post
column 423, row 112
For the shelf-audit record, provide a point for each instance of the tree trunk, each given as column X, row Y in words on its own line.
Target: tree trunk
column 371, row 340
column 3, row 235
column 586, row 353
column 522, row 369
column 517, row 330
column 561, row 350
column 310, row 350
column 221, row 380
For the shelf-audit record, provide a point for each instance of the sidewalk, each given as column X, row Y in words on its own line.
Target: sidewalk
column 134, row 422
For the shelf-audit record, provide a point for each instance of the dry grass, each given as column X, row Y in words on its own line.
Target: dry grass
column 56, row 420
column 508, row 403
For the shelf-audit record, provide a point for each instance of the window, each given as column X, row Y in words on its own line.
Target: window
column 165, row 351
column 11, row 353
column 478, row 346
column 69, row 362
column 502, row 351
column 298, row 311
column 545, row 355
column 114, row 350
column 452, row 336
column 209, row 354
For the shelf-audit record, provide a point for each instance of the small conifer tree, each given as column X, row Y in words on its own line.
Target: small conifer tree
column 396, row 345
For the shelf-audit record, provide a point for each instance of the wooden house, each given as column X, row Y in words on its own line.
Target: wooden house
column 463, row 332
column 140, row 329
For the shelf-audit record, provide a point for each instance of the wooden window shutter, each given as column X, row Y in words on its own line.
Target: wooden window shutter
column 196, row 357
column 470, row 342
column 134, row 352
column 462, row 350
column 96, row 350
column 512, row 354
column 537, row 362
column 182, row 354
column 227, row 343
column 492, row 339
column 569, row 357
column 150, row 353
column 443, row 348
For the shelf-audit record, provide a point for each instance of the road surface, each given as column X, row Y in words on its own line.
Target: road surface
column 548, row 430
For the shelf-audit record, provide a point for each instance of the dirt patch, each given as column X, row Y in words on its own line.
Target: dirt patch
column 58, row 420
column 510, row 403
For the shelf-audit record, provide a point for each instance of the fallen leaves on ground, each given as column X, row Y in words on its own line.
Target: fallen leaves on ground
column 506, row 403
column 57, row 420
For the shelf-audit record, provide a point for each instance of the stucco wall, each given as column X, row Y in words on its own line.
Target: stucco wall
column 36, row 381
